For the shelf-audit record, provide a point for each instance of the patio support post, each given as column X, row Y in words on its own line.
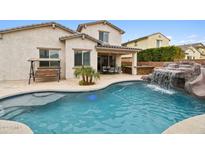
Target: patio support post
column 134, row 63
column 118, row 61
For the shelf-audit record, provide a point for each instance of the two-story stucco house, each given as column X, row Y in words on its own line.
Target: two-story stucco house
column 96, row 44
column 193, row 51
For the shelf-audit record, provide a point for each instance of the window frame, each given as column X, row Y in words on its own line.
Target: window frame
column 82, row 57
column 50, row 65
column 103, row 32
column 160, row 43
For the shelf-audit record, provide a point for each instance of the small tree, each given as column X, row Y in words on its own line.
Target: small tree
column 87, row 74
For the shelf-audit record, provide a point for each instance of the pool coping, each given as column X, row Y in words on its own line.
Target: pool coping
column 14, row 127
column 192, row 125
column 24, row 92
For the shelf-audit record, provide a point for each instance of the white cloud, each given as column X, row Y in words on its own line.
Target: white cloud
column 191, row 39
column 169, row 37
column 192, row 36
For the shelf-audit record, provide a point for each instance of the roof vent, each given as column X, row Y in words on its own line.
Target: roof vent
column 83, row 36
column 54, row 26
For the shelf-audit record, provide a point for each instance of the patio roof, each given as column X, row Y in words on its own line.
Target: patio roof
column 116, row 49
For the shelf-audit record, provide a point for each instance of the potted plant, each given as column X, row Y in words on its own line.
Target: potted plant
column 88, row 75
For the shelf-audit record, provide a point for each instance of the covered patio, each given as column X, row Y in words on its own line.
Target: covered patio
column 109, row 58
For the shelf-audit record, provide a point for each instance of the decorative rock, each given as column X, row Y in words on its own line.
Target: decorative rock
column 175, row 74
column 197, row 87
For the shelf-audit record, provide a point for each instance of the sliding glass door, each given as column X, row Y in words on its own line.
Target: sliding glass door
column 106, row 61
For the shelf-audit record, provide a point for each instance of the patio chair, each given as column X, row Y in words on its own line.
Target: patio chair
column 117, row 69
column 104, row 69
column 111, row 70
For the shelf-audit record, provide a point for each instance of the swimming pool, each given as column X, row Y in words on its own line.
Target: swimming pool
column 127, row 107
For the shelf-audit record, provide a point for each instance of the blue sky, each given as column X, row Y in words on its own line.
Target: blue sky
column 180, row 31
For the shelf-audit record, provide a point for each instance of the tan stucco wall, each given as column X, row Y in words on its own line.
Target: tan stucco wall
column 115, row 37
column 150, row 42
column 193, row 53
column 147, row 43
column 79, row 43
column 17, row 47
column 142, row 44
column 203, row 52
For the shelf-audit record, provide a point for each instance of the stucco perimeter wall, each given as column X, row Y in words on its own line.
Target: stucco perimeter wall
column 115, row 37
column 17, row 47
column 79, row 43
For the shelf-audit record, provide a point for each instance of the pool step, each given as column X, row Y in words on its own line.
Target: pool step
column 11, row 112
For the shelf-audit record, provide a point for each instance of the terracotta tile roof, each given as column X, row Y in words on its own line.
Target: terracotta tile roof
column 104, row 46
column 36, row 26
column 144, row 37
column 83, row 35
column 99, row 22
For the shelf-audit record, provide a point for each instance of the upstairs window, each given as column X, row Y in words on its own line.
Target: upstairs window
column 82, row 58
column 104, row 36
column 158, row 43
column 48, row 54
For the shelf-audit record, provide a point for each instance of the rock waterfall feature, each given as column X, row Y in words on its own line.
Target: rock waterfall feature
column 175, row 75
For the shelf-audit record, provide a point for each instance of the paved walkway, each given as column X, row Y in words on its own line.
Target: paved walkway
column 10, row 88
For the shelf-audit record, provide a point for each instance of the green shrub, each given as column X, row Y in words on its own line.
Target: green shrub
column 88, row 74
column 170, row 53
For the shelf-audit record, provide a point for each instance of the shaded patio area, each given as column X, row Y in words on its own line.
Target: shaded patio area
column 109, row 58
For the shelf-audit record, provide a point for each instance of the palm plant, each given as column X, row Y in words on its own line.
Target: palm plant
column 87, row 74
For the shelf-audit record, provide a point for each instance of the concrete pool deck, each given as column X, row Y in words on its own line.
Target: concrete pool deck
column 193, row 125
column 13, row 127
column 11, row 88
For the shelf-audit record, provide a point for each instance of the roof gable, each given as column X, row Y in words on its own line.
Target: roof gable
column 80, row 35
column 81, row 26
column 28, row 27
column 145, row 37
column 193, row 46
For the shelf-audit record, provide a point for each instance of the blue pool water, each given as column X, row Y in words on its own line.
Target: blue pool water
column 128, row 107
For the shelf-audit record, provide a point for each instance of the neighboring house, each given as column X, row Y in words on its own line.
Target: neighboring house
column 155, row 40
column 94, row 44
column 193, row 51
